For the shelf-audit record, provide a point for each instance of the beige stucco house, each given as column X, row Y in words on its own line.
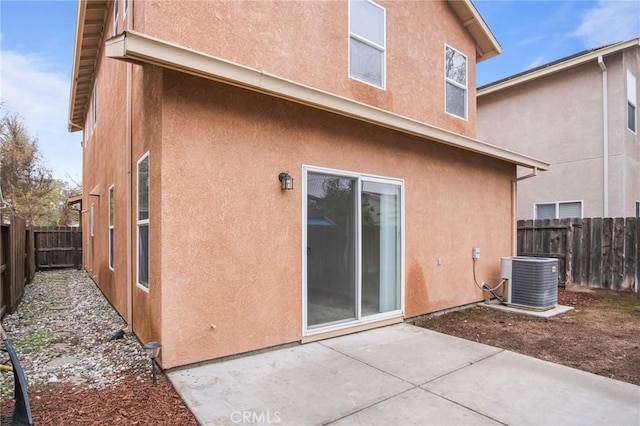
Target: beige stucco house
column 264, row 173
column 581, row 114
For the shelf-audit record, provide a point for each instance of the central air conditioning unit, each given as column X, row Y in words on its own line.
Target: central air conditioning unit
column 532, row 282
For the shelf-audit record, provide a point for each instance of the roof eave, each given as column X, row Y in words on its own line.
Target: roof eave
column 90, row 23
column 560, row 66
column 135, row 47
column 487, row 45
column 82, row 7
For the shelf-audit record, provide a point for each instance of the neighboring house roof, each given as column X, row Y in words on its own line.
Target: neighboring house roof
column 556, row 66
column 90, row 24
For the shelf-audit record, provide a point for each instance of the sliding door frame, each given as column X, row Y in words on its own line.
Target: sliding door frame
column 359, row 320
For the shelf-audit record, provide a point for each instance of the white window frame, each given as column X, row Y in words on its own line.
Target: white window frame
column 112, row 231
column 143, row 222
column 92, row 220
column 94, row 106
column 632, row 100
column 557, row 207
column 455, row 83
column 368, row 42
column 359, row 319
column 115, row 17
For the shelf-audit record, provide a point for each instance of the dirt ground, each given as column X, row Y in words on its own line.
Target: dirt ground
column 601, row 335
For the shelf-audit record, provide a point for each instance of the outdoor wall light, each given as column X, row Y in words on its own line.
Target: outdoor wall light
column 153, row 348
column 286, row 181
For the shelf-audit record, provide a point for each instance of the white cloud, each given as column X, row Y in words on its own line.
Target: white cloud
column 539, row 60
column 41, row 97
column 609, row 22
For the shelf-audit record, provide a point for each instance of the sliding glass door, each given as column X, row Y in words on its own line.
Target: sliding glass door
column 353, row 235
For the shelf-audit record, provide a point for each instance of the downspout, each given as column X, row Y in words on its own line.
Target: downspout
column 514, row 210
column 129, row 190
column 605, row 140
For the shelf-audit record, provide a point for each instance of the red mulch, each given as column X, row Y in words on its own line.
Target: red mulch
column 134, row 401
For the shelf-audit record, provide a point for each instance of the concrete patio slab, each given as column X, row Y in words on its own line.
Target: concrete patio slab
column 517, row 389
column 411, row 353
column 416, row 407
column 371, row 378
column 308, row 384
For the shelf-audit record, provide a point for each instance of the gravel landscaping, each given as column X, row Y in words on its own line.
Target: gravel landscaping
column 78, row 371
column 61, row 332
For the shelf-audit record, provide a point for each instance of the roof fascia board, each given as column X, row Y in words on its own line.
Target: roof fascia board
column 82, row 9
column 135, row 47
column 559, row 67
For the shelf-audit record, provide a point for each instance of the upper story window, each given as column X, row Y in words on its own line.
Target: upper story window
column 115, row 17
column 455, row 69
column 367, row 42
column 632, row 123
column 561, row 210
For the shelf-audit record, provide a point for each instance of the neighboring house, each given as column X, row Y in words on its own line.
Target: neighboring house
column 191, row 112
column 581, row 114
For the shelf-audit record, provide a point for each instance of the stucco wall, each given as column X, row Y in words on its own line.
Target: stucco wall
column 231, row 239
column 307, row 42
column 558, row 118
column 104, row 164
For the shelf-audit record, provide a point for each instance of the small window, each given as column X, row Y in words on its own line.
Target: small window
column 126, row 7
column 143, row 221
column 92, row 221
column 563, row 210
column 637, row 208
column 632, row 123
column 94, row 108
column 111, row 226
column 115, row 17
column 367, row 42
column 455, row 82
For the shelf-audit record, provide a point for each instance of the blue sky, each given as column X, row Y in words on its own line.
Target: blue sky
column 36, row 49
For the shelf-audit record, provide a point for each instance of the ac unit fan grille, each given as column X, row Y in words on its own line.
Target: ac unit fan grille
column 534, row 282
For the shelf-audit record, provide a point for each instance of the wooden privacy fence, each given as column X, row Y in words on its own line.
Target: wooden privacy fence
column 594, row 252
column 17, row 266
column 57, row 247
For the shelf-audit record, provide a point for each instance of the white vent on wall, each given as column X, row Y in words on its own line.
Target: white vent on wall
column 532, row 281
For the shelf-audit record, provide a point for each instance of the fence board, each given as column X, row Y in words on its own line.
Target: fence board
column 595, row 255
column 631, row 258
column 617, row 253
